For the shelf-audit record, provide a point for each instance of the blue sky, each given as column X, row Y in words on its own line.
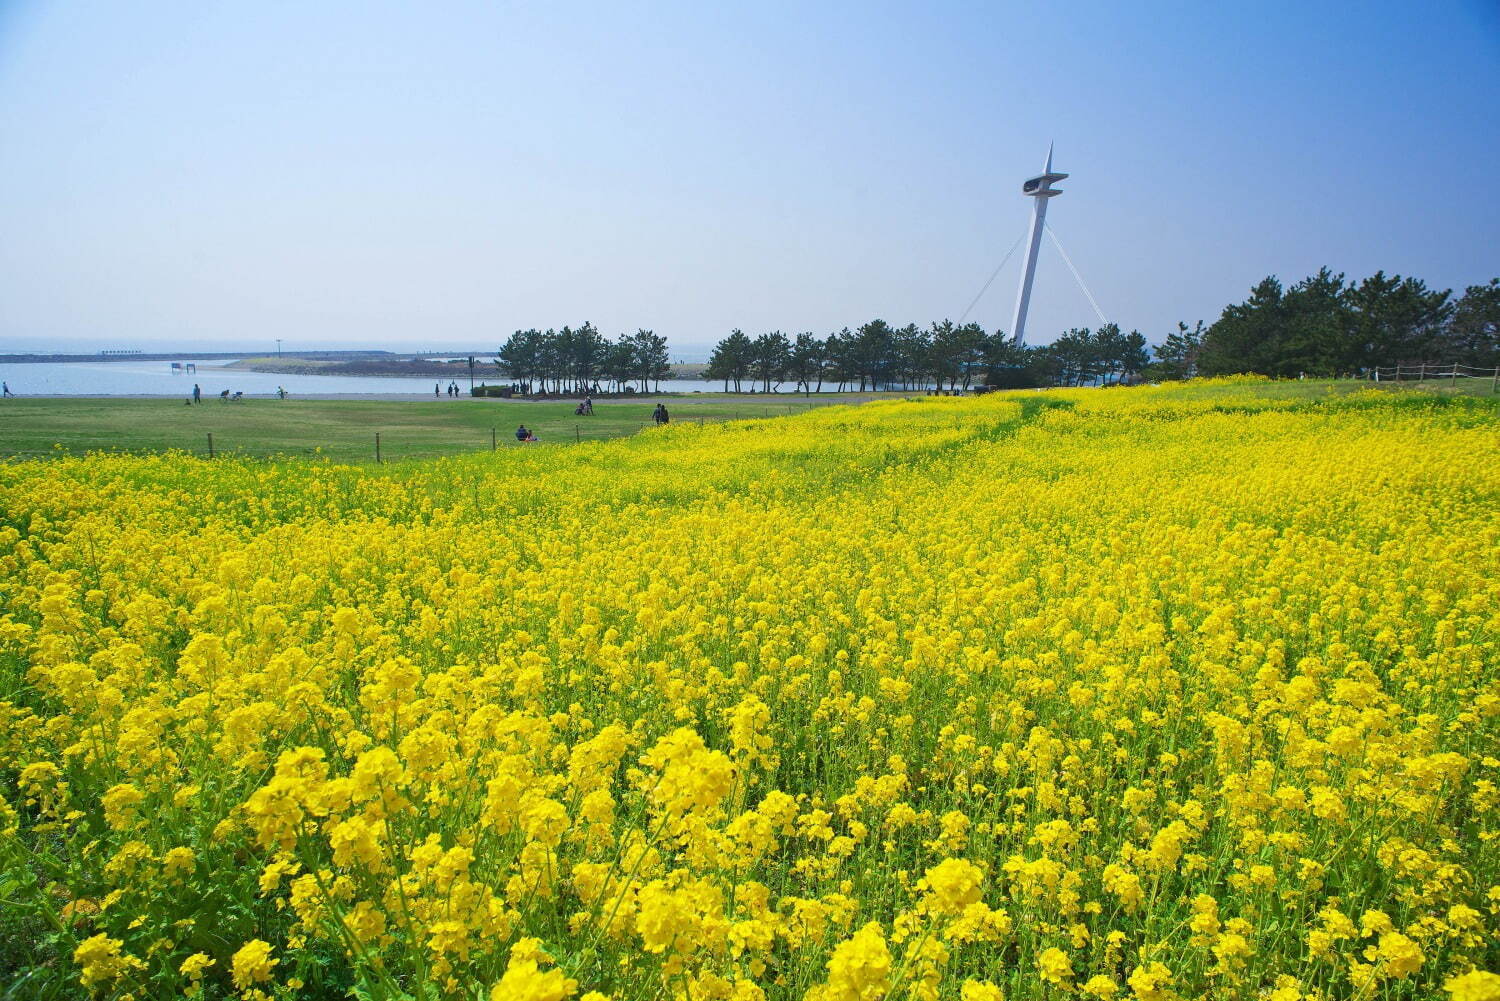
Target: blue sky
column 439, row 174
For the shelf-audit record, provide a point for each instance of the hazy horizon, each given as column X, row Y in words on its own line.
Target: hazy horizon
column 181, row 176
column 687, row 356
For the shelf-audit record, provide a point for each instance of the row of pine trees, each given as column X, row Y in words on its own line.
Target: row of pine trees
column 944, row 356
column 1324, row 325
column 581, row 360
column 1327, row 325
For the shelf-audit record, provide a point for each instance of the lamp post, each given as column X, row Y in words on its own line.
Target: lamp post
column 278, row 349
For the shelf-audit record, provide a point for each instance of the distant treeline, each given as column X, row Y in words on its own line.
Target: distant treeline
column 944, row 355
column 1321, row 326
column 578, row 359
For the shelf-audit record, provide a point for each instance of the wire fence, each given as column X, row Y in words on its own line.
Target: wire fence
column 385, row 448
column 396, row 444
column 1427, row 372
column 400, row 444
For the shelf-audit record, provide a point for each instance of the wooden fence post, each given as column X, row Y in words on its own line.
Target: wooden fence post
column 210, row 444
column 577, row 435
column 1495, row 382
column 377, row 448
column 492, row 439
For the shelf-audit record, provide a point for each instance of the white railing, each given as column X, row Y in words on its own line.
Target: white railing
column 1423, row 372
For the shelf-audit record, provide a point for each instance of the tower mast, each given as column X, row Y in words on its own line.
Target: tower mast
column 1039, row 188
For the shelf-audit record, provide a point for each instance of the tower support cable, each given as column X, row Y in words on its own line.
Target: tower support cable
column 993, row 275
column 1076, row 276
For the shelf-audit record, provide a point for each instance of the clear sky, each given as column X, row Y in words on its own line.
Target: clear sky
column 439, row 174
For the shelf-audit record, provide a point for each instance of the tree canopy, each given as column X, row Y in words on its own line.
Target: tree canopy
column 1327, row 325
column 581, row 360
column 877, row 355
column 1323, row 325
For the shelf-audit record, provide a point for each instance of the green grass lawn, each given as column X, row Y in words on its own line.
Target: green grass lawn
column 344, row 430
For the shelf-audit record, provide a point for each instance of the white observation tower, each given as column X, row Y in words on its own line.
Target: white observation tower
column 1039, row 188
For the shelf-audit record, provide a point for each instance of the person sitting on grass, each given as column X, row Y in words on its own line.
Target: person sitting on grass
column 524, row 434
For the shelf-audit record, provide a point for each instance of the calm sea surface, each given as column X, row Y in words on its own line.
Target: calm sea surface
column 156, row 378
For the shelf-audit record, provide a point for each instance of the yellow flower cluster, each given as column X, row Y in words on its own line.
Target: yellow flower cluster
column 1143, row 694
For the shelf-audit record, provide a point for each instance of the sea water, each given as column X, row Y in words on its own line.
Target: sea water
column 158, row 378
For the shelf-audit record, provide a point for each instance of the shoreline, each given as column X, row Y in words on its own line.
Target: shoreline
column 688, row 397
column 382, row 368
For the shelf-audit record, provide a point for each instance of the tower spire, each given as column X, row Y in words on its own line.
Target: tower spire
column 1039, row 188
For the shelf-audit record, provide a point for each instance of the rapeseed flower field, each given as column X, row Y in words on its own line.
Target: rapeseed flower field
column 1143, row 694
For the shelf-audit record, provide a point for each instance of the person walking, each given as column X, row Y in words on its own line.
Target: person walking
column 8, row 393
column 197, row 393
column 435, row 390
